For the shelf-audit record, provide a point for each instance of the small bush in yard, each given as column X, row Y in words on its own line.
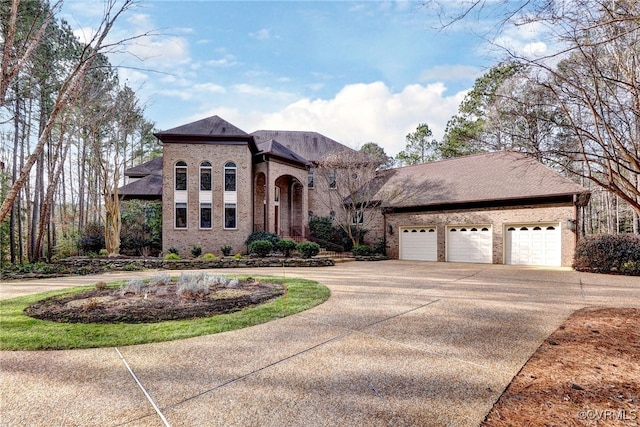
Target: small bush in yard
column 134, row 286
column 261, row 248
column 308, row 249
column 631, row 268
column 173, row 250
column 226, row 250
column 286, row 246
column 191, row 285
column 608, row 253
column 361, row 250
column 196, row 251
column 91, row 239
column 172, row 256
column 263, row 235
column 209, row 255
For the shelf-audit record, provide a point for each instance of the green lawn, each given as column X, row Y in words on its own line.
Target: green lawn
column 20, row 332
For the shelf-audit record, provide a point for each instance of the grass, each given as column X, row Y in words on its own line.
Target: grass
column 21, row 332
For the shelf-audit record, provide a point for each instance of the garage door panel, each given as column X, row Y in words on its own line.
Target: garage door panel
column 469, row 244
column 533, row 245
column 419, row 243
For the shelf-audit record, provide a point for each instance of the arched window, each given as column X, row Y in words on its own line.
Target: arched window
column 230, row 170
column 180, row 176
column 205, row 176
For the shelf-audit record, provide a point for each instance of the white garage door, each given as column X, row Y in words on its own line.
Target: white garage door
column 418, row 243
column 469, row 244
column 533, row 244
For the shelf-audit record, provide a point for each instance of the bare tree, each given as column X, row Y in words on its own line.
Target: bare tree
column 68, row 92
column 589, row 85
column 347, row 183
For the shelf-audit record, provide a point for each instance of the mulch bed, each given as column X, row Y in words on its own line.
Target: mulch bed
column 111, row 306
column 587, row 373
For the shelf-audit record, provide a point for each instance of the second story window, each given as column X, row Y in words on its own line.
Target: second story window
column 331, row 179
column 310, row 179
column 205, row 176
column 230, row 176
column 357, row 218
column 181, row 176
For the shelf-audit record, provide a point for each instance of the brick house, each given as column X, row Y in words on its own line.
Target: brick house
column 218, row 184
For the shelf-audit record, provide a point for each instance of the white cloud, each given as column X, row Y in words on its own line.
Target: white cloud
column 160, row 51
column 528, row 40
column 260, row 92
column 359, row 113
column 263, row 34
column 535, row 49
column 227, row 60
column 208, row 88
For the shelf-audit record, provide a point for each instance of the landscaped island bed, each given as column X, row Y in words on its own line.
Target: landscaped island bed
column 128, row 313
column 155, row 302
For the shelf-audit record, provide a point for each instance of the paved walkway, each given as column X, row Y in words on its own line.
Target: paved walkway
column 398, row 343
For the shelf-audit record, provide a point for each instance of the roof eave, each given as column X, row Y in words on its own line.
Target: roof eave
column 565, row 198
column 169, row 138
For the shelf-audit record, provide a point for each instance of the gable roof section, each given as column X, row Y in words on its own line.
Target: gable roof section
column 275, row 149
column 491, row 177
column 311, row 146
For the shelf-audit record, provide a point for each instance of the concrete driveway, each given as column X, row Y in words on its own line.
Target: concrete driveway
column 398, row 343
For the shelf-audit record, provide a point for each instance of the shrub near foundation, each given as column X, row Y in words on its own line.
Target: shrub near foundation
column 286, row 246
column 261, row 248
column 308, row 249
column 608, row 253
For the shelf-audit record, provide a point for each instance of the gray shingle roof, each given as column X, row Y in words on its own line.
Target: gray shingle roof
column 149, row 187
column 151, row 167
column 274, row 148
column 478, row 178
column 312, row 146
column 210, row 126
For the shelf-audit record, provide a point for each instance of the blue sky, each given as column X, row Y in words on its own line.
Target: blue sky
column 355, row 71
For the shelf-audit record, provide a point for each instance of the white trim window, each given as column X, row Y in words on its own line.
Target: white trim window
column 230, row 196
column 180, row 174
column 230, row 172
column 311, row 176
column 181, row 215
column 206, row 217
column 331, row 181
column 358, row 217
column 230, row 216
column 205, row 176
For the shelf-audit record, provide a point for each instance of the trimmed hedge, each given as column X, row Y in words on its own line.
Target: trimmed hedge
column 273, row 238
column 286, row 246
column 608, row 253
column 308, row 249
column 361, row 250
column 261, row 248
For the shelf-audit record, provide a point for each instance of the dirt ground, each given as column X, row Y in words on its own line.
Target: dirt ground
column 587, row 373
column 163, row 303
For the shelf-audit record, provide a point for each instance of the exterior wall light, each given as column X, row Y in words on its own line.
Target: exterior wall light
column 571, row 224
